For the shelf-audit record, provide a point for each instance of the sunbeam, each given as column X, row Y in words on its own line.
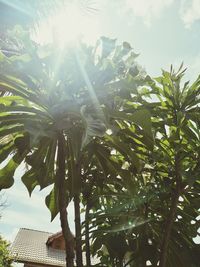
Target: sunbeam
column 90, row 87
column 69, row 23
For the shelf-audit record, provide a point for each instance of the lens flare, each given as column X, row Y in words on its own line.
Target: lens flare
column 68, row 24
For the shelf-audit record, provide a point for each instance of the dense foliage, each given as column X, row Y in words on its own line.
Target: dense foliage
column 60, row 110
column 89, row 122
column 5, row 258
column 153, row 215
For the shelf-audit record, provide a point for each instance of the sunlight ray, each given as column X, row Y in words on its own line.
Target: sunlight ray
column 16, row 6
column 71, row 22
column 89, row 85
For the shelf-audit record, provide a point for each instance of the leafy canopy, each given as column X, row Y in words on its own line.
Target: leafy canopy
column 80, row 93
column 128, row 219
column 5, row 258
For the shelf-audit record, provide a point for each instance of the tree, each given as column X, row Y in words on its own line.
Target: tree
column 154, row 214
column 179, row 148
column 5, row 258
column 56, row 110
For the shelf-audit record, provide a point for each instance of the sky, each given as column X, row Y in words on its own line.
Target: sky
column 163, row 32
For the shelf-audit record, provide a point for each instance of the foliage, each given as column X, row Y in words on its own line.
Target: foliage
column 5, row 259
column 74, row 95
column 84, row 96
column 135, row 215
column 130, row 146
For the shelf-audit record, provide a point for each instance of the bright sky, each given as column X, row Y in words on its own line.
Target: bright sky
column 164, row 32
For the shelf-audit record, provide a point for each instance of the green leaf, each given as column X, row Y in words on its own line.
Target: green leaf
column 5, row 150
column 125, row 150
column 116, row 245
column 7, row 174
column 30, row 181
column 23, row 110
column 94, row 125
column 23, row 58
column 4, row 131
column 18, row 116
column 75, row 136
column 106, row 165
column 2, row 57
column 23, row 144
column 140, row 117
column 108, row 45
column 52, row 203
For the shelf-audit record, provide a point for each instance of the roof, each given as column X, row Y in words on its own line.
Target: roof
column 30, row 246
column 52, row 237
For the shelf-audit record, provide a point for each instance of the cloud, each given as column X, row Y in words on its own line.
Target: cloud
column 149, row 10
column 190, row 12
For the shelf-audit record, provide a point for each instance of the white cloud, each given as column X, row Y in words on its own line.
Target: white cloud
column 190, row 12
column 148, row 10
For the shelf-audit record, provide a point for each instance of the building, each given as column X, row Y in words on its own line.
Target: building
column 38, row 249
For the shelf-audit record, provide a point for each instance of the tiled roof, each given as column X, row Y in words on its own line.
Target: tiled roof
column 52, row 237
column 30, row 246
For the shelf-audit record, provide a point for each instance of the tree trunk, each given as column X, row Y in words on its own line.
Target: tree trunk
column 79, row 257
column 87, row 237
column 172, row 214
column 144, row 234
column 62, row 202
column 167, row 232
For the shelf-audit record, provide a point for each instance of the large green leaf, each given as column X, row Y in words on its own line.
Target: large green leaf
column 5, row 150
column 116, row 245
column 23, row 109
column 4, row 131
column 52, row 203
column 140, row 117
column 30, row 180
column 94, row 125
column 125, row 150
column 7, row 174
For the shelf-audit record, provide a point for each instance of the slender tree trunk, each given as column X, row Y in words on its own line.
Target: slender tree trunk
column 144, row 233
column 168, row 229
column 68, row 237
column 87, row 237
column 120, row 262
column 172, row 214
column 79, row 257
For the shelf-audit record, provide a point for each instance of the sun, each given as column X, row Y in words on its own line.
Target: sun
column 69, row 24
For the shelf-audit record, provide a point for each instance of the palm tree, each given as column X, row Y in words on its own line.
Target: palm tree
column 56, row 104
